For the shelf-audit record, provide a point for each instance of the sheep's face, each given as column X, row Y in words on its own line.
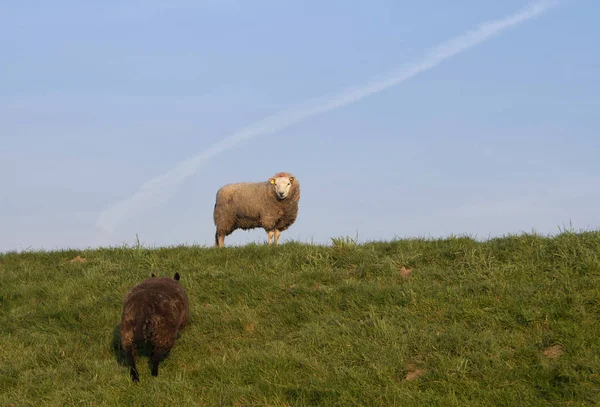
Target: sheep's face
column 282, row 186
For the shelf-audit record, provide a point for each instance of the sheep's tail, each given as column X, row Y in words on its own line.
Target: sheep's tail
column 216, row 223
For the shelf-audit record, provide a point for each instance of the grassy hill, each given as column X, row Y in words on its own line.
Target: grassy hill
column 510, row 321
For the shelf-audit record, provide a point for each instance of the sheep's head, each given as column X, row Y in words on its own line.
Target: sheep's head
column 282, row 185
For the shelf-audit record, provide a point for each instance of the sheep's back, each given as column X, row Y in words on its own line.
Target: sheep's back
column 244, row 198
column 156, row 296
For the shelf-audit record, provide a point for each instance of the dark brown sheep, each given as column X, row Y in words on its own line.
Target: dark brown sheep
column 272, row 205
column 154, row 311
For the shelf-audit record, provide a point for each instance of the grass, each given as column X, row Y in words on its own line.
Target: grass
column 505, row 322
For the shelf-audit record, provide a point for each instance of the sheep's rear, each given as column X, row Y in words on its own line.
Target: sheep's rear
column 154, row 311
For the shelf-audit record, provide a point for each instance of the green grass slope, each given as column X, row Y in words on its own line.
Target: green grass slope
column 512, row 321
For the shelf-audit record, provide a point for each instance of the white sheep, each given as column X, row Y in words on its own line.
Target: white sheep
column 272, row 205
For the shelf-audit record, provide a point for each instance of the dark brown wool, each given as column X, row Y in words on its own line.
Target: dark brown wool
column 154, row 311
column 249, row 205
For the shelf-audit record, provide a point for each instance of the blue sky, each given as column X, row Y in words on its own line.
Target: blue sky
column 97, row 99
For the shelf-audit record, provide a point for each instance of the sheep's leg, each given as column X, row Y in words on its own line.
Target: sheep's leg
column 130, row 355
column 219, row 240
column 157, row 356
column 277, row 233
column 270, row 234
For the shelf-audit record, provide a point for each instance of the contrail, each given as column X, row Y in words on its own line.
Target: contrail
column 162, row 187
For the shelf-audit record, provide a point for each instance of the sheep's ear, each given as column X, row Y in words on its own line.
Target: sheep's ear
column 291, row 179
column 272, row 181
column 176, row 276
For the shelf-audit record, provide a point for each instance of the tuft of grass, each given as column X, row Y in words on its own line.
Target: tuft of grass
column 508, row 321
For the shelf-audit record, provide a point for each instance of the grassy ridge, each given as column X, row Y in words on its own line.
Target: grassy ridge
column 510, row 321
